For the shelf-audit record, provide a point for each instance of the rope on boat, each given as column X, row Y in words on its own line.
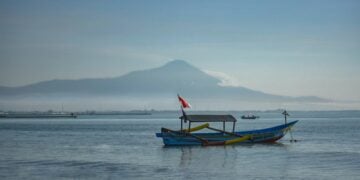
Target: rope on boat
column 292, row 138
column 286, row 114
column 288, row 129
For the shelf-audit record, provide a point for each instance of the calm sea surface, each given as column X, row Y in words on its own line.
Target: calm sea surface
column 125, row 147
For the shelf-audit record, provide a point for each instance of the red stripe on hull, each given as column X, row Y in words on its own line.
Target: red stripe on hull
column 272, row 140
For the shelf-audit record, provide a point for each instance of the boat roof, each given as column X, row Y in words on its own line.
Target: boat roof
column 210, row 118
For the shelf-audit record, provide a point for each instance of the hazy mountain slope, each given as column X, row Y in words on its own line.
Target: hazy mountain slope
column 174, row 77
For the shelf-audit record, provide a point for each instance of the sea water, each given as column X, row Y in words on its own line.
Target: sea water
column 125, row 147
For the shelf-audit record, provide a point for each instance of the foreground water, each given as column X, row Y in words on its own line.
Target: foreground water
column 124, row 147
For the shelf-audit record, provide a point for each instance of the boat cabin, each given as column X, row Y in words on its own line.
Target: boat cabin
column 208, row 118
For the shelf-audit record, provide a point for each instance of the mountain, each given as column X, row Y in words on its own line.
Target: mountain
column 140, row 89
column 174, row 77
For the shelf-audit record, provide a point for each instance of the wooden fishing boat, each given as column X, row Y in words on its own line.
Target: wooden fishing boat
column 249, row 117
column 221, row 137
column 186, row 136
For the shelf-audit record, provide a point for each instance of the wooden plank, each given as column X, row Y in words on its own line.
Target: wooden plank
column 229, row 133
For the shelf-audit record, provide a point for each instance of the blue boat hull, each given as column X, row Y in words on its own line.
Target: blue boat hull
column 257, row 136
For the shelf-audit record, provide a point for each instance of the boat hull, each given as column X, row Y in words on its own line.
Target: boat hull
column 256, row 136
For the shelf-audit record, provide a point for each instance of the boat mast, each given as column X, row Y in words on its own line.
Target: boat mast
column 286, row 114
column 183, row 104
column 182, row 118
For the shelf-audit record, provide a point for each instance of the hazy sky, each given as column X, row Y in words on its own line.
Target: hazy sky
column 282, row 47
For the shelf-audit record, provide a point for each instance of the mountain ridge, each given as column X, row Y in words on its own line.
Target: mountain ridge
column 176, row 76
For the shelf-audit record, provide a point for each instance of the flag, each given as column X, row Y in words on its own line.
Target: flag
column 183, row 102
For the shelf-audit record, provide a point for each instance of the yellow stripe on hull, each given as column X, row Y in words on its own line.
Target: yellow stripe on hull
column 237, row 140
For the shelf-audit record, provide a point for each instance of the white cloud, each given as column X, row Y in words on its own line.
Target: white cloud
column 226, row 80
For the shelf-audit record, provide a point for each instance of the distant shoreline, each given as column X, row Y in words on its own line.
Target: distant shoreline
column 147, row 112
column 175, row 113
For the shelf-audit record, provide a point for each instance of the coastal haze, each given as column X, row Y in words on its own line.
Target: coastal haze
column 238, row 55
column 148, row 89
column 88, row 86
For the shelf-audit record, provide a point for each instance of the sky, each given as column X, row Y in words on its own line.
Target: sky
column 293, row 48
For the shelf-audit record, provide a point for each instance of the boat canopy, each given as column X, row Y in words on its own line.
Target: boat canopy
column 209, row 118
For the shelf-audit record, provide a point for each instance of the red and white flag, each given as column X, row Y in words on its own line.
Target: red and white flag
column 184, row 103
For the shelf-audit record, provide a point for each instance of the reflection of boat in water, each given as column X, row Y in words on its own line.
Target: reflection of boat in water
column 250, row 117
column 220, row 136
